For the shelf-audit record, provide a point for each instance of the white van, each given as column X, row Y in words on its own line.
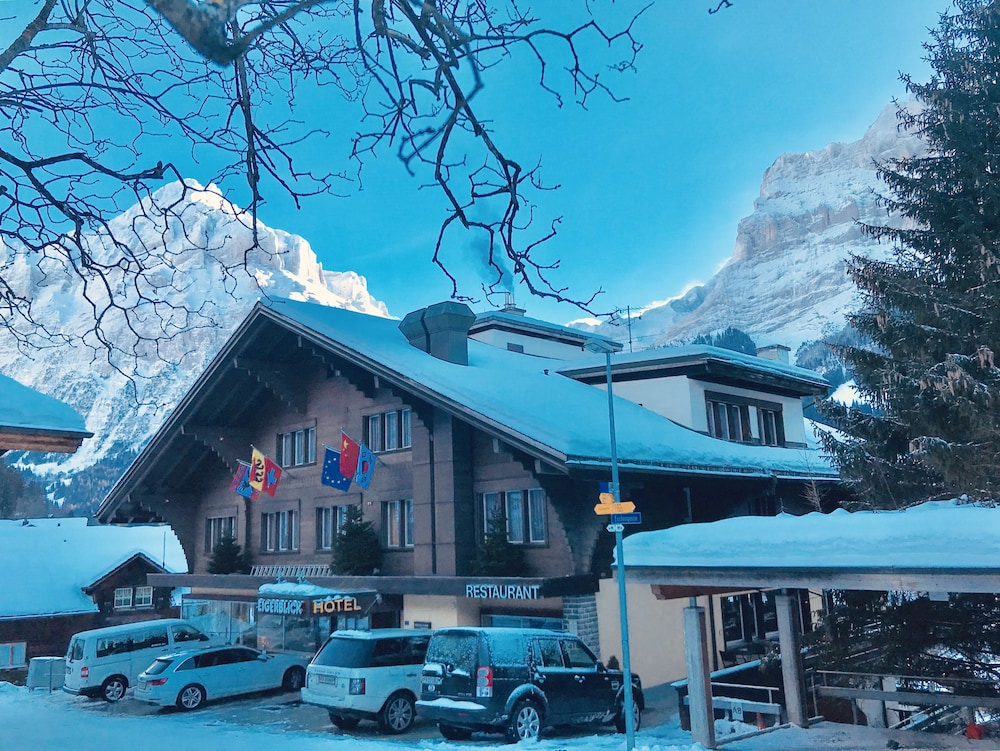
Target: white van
column 104, row 662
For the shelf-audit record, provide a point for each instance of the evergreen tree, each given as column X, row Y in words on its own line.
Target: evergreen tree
column 496, row 555
column 357, row 550
column 930, row 312
column 227, row 558
column 730, row 338
column 932, row 323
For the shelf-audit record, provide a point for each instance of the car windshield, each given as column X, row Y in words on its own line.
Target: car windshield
column 341, row 652
column 457, row 651
column 75, row 651
column 159, row 666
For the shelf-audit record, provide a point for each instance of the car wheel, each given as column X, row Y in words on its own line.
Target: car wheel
column 397, row 714
column 525, row 722
column 191, row 697
column 113, row 688
column 294, row 679
column 452, row 733
column 636, row 717
column 344, row 723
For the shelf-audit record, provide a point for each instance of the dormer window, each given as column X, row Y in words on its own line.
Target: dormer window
column 729, row 421
column 744, row 420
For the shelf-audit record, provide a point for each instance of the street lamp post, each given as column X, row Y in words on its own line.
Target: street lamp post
column 599, row 345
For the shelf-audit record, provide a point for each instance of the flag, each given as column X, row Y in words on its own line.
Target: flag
column 349, row 452
column 272, row 473
column 331, row 471
column 241, row 483
column 366, row 467
column 258, row 465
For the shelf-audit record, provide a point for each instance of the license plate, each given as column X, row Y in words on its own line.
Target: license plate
column 432, row 681
column 330, row 679
column 142, row 683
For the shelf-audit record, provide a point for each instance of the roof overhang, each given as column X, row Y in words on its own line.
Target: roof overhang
column 684, row 581
column 40, row 439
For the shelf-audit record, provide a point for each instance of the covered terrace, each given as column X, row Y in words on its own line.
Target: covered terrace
column 940, row 546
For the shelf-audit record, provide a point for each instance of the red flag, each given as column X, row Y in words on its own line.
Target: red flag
column 272, row 473
column 350, row 450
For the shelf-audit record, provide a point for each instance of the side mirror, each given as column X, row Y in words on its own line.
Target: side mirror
column 203, row 638
column 263, row 657
column 601, row 668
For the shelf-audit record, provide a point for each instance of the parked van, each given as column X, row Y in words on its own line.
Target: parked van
column 368, row 675
column 104, row 662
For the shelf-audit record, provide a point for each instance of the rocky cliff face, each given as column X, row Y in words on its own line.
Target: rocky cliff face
column 786, row 281
column 124, row 414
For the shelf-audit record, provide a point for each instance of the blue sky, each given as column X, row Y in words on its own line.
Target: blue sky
column 653, row 188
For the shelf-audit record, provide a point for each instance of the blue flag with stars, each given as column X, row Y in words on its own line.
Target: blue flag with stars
column 331, row 471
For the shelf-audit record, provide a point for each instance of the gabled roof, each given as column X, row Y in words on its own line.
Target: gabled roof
column 58, row 558
column 521, row 400
column 703, row 362
column 32, row 421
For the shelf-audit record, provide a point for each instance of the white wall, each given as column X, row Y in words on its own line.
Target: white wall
column 532, row 345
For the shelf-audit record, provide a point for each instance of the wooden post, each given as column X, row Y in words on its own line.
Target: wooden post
column 698, row 676
column 792, row 675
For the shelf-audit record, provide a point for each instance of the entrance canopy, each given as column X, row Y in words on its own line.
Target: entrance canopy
column 939, row 546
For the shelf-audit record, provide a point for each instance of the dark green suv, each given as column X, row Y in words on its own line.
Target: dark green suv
column 518, row 681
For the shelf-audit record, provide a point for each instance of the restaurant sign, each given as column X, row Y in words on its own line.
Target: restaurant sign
column 489, row 591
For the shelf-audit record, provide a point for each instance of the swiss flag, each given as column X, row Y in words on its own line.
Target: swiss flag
column 350, row 450
column 272, row 473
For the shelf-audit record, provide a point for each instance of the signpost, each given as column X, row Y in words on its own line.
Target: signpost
column 606, row 507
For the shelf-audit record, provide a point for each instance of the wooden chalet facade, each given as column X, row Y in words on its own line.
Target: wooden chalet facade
column 460, row 429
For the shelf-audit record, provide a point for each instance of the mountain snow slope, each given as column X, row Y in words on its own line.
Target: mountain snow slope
column 124, row 415
column 786, row 282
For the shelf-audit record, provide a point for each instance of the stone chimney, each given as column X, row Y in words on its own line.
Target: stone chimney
column 441, row 330
column 776, row 352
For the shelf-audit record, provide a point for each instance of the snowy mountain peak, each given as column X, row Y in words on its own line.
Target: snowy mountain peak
column 206, row 239
column 786, row 280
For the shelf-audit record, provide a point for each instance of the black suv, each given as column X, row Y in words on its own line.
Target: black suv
column 517, row 681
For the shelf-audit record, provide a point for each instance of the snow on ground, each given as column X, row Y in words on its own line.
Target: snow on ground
column 47, row 721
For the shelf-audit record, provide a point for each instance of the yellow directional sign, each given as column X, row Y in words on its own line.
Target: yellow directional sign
column 607, row 497
column 604, row 509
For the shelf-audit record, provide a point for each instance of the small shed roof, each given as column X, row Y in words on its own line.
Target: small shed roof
column 939, row 546
column 58, row 558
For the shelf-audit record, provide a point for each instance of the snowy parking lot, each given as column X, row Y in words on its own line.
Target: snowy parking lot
column 46, row 720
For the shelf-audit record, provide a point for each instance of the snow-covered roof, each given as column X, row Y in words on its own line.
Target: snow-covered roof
column 526, row 398
column 24, row 408
column 690, row 354
column 57, row 558
column 934, row 535
column 503, row 319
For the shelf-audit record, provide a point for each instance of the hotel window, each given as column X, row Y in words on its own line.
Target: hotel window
column 297, row 447
column 144, row 597
column 123, row 598
column 397, row 523
column 388, row 431
column 729, row 421
column 216, row 528
column 329, row 521
column 279, row 532
column 523, row 512
column 772, row 429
